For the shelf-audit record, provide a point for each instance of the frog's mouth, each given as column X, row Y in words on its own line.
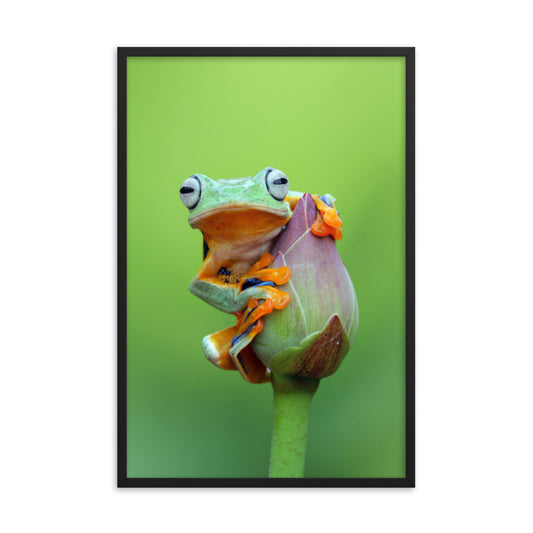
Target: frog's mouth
column 245, row 215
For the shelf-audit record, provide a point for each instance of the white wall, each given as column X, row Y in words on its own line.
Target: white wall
column 57, row 209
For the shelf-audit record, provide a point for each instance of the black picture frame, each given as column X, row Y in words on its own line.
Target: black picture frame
column 122, row 55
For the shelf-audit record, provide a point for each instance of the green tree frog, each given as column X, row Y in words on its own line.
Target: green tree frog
column 240, row 220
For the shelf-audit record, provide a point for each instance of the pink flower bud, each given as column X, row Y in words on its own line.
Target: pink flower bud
column 310, row 337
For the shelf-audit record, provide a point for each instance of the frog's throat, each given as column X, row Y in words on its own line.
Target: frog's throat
column 238, row 236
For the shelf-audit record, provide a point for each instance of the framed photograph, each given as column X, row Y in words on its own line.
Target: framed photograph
column 266, row 267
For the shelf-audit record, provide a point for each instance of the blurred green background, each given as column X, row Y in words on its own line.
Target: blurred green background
column 332, row 125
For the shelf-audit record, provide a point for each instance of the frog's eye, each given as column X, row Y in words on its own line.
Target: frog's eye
column 277, row 184
column 190, row 192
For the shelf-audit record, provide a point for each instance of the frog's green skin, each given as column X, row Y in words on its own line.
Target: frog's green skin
column 240, row 220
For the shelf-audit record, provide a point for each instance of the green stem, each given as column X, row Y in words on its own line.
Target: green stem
column 292, row 398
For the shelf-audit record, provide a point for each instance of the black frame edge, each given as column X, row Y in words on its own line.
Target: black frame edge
column 122, row 54
column 202, row 482
column 236, row 51
column 410, row 267
column 121, row 267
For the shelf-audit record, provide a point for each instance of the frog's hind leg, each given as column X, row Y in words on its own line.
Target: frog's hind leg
column 217, row 350
column 217, row 345
column 249, row 324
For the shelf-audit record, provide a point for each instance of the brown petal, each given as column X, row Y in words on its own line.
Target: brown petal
column 318, row 356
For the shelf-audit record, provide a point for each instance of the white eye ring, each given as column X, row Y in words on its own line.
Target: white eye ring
column 191, row 192
column 277, row 184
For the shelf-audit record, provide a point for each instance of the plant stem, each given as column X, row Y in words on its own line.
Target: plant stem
column 292, row 399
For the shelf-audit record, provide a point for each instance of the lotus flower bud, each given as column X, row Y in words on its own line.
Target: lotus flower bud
column 310, row 337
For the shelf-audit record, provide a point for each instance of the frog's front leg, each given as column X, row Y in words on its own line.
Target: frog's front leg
column 231, row 294
column 261, row 283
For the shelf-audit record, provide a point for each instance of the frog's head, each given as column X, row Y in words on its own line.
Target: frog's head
column 228, row 207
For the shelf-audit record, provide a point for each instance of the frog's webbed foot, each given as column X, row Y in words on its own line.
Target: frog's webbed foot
column 327, row 220
column 261, row 283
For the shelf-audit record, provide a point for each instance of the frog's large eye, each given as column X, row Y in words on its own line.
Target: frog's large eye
column 277, row 184
column 190, row 192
